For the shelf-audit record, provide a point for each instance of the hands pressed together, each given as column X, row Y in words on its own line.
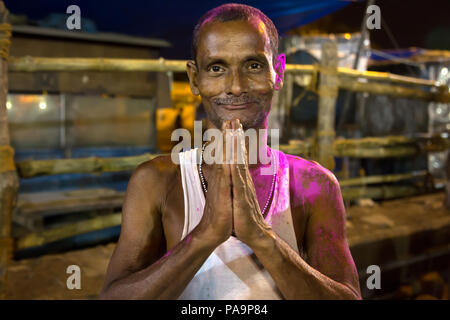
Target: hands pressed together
column 231, row 203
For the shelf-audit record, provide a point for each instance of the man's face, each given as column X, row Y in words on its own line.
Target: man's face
column 235, row 75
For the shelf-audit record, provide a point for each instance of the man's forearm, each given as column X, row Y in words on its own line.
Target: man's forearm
column 293, row 276
column 167, row 277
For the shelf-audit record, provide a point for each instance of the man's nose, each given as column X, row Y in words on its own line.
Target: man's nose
column 237, row 84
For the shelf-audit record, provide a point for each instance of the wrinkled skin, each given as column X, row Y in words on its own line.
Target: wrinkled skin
column 235, row 77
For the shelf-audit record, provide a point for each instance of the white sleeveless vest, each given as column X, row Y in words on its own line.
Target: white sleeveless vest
column 232, row 271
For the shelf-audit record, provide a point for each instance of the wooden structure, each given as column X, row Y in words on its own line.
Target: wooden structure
column 54, row 43
column 9, row 182
column 328, row 92
column 325, row 78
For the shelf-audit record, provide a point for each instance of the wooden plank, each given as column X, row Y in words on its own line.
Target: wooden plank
column 94, row 199
column 33, row 208
column 40, row 238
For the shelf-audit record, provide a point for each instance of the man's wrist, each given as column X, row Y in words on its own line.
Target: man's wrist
column 203, row 241
column 264, row 242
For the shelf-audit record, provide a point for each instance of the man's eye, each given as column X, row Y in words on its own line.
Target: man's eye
column 255, row 66
column 216, row 69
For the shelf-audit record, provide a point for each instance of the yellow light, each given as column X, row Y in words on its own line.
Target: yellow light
column 29, row 98
column 8, row 105
column 42, row 105
column 347, row 36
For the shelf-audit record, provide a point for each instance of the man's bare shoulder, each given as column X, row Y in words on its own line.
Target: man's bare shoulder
column 309, row 169
column 310, row 181
column 158, row 171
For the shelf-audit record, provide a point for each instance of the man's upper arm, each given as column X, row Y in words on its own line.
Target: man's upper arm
column 326, row 244
column 141, row 239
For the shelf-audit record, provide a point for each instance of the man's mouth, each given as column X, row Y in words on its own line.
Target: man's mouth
column 235, row 103
column 236, row 106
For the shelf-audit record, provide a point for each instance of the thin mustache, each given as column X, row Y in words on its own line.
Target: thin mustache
column 234, row 100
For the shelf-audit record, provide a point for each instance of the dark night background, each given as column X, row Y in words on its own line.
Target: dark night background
column 415, row 23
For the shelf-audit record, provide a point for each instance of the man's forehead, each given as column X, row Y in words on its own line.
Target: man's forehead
column 231, row 37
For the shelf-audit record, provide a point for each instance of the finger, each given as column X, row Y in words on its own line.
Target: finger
column 238, row 172
column 238, row 166
column 220, row 182
column 240, row 146
column 226, row 141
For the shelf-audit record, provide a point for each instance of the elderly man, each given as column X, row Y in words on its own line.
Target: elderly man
column 225, row 230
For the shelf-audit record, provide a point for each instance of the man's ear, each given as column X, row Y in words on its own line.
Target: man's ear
column 192, row 72
column 280, row 64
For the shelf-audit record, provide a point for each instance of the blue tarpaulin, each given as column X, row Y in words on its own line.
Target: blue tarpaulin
column 171, row 20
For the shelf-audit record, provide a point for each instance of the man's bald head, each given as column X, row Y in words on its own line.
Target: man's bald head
column 235, row 12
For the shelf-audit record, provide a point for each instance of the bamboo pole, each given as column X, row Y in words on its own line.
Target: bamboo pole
column 381, row 179
column 328, row 91
column 373, row 142
column 382, row 192
column 383, row 152
column 376, row 147
column 393, row 90
column 389, row 146
column 9, row 182
column 385, row 76
column 33, row 168
column 34, row 64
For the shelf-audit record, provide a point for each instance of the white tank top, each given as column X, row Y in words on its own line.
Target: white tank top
column 232, row 271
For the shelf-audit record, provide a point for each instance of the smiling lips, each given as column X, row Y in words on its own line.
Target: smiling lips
column 234, row 107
